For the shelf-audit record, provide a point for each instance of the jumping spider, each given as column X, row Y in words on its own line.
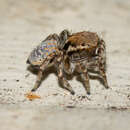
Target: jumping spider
column 81, row 52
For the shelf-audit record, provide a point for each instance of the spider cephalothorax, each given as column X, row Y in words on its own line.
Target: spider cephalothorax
column 82, row 52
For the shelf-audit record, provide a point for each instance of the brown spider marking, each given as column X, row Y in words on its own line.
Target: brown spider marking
column 82, row 52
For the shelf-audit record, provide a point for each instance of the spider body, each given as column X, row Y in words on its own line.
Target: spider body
column 81, row 52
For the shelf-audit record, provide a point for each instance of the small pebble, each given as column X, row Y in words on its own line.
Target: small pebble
column 4, row 80
column 17, row 80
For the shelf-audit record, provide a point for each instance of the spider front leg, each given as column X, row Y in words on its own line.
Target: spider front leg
column 63, row 80
column 102, row 63
column 104, row 77
column 38, row 81
column 85, row 77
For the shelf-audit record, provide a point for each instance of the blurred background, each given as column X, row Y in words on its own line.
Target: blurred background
column 23, row 24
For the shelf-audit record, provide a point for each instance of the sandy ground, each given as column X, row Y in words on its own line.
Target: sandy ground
column 23, row 24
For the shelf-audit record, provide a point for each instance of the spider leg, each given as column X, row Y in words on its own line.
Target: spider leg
column 103, row 77
column 102, row 63
column 85, row 77
column 63, row 80
column 39, row 76
column 38, row 81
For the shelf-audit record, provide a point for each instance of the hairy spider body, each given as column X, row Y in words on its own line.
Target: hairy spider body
column 85, row 52
column 81, row 52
